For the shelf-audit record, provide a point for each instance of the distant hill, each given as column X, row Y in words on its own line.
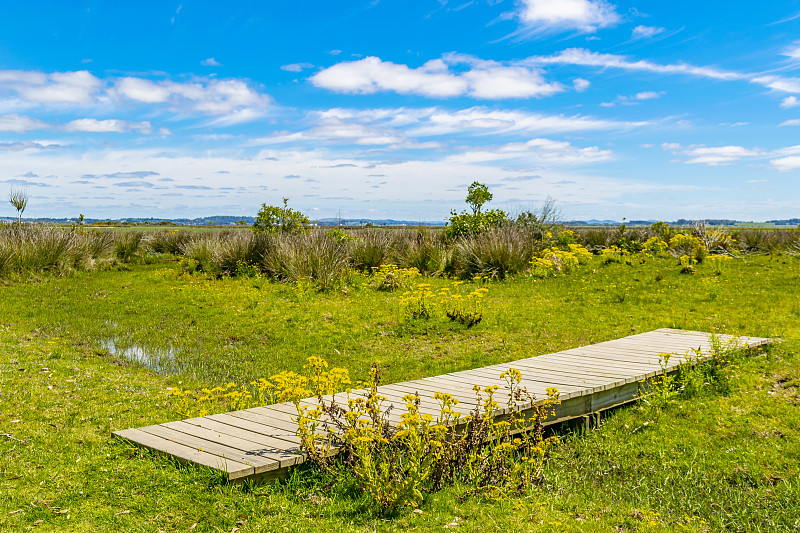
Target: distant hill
column 230, row 220
column 227, row 220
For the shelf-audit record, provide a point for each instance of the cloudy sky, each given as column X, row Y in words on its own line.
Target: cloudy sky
column 390, row 108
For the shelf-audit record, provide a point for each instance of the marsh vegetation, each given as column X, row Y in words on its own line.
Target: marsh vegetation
column 96, row 331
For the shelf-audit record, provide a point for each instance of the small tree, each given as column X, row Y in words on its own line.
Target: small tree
column 274, row 219
column 478, row 221
column 19, row 199
column 477, row 195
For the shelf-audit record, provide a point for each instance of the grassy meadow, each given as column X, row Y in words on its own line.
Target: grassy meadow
column 93, row 344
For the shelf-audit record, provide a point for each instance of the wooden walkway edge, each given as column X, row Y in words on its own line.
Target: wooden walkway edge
column 261, row 442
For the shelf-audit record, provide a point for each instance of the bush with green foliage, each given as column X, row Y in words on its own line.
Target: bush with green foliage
column 478, row 221
column 274, row 219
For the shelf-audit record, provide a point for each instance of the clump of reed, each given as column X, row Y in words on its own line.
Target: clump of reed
column 313, row 255
column 221, row 254
column 33, row 249
column 424, row 249
column 126, row 245
column 167, row 242
column 496, row 254
column 371, row 249
column 766, row 241
column 98, row 243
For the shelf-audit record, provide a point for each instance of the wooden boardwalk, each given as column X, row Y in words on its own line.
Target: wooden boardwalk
column 261, row 442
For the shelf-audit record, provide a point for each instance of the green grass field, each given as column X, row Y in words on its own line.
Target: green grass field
column 84, row 355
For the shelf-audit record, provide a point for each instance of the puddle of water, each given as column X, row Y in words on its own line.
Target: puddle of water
column 162, row 361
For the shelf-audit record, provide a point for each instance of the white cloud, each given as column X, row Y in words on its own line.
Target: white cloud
column 141, row 90
column 371, row 75
column 210, row 62
column 91, row 125
column 647, row 95
column 785, row 164
column 793, row 50
column 20, row 123
column 557, row 152
column 779, row 83
column 783, row 159
column 554, row 15
column 232, row 101
column 477, row 120
column 580, row 84
column 229, row 100
column 792, row 122
column 498, row 82
column 645, row 32
column 633, row 99
column 583, row 57
column 484, row 79
column 718, row 155
column 337, row 130
column 296, row 67
column 481, row 120
column 77, row 87
column 790, row 101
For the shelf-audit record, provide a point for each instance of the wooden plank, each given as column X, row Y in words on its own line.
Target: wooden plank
column 599, row 358
column 426, row 403
column 258, row 463
column 487, row 381
column 470, row 381
column 658, row 343
column 556, row 380
column 575, row 369
column 186, row 453
column 254, row 416
column 581, row 367
column 632, row 365
column 289, row 439
column 593, row 383
column 427, row 391
column 622, row 354
column 284, row 451
column 249, row 447
column 467, row 400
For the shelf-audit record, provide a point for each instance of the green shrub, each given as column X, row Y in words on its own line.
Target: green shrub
column 478, row 221
column 274, row 219
column 465, row 224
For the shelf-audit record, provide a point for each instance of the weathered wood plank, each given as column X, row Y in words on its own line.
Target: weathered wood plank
column 186, row 453
column 241, row 439
column 224, row 452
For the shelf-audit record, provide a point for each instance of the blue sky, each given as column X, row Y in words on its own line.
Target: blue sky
column 389, row 108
